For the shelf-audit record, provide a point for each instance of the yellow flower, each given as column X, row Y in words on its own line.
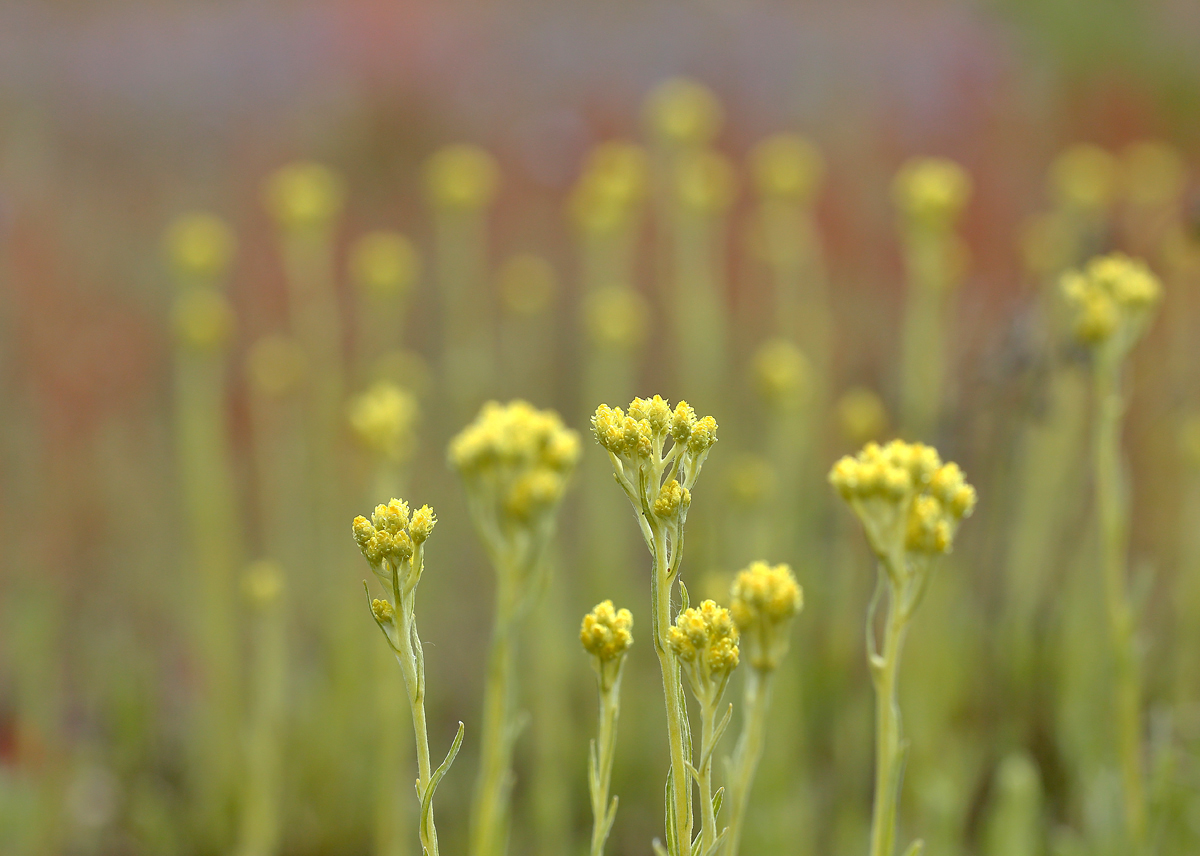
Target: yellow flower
column 461, row 177
column 606, row 632
column 705, row 639
column 787, row 166
column 681, row 111
column 1112, row 299
column 384, row 418
column 304, row 195
column 782, row 374
column 1084, row 178
column 931, row 191
column 764, row 598
column 384, row 264
column 200, row 246
column 617, row 317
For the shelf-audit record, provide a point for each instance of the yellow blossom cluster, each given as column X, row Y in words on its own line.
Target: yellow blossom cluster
column 606, row 632
column 787, row 166
column 931, row 191
column 782, row 374
column 384, row 264
column 393, row 535
column 304, row 195
column 383, row 419
column 1111, row 300
column 519, row 455
column 682, row 112
column 200, row 246
column 763, row 600
column 906, row 498
column 705, row 639
column 461, row 177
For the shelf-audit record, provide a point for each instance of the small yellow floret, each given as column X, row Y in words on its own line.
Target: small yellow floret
column 681, row 111
column 931, row 191
column 384, row 264
column 1084, row 178
column 304, row 195
column 382, row 610
column 616, row 317
column 200, row 246
column 461, row 177
column 606, row 633
column 705, row 638
column 1111, row 298
column 787, row 166
column 384, row 418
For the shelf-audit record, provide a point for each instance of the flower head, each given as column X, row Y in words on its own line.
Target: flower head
column 782, row 374
column 611, row 188
column 616, row 318
column 1112, row 300
column 763, row 601
column 200, row 246
column 384, row 264
column 393, row 540
column 787, row 166
column 384, row 418
column 705, row 639
column 931, row 191
column 1084, row 178
column 909, row 502
column 461, row 177
column 681, row 112
column 304, row 195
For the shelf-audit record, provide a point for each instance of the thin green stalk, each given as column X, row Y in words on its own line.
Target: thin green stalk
column 924, row 347
column 681, row 790
column 412, row 667
column 747, row 754
column 490, row 807
column 890, row 747
column 1112, row 515
column 604, row 750
column 708, row 737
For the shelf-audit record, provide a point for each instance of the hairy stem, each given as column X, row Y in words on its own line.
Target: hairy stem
column 708, row 817
column 606, row 744
column 889, row 744
column 1113, row 523
column 412, row 666
column 748, row 754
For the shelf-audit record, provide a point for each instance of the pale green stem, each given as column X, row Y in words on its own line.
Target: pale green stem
column 660, row 593
column 392, row 780
column 889, row 743
column 924, row 347
column 748, row 754
column 260, row 829
column 708, row 816
column 489, row 814
column 412, row 666
column 1112, row 515
column 606, row 745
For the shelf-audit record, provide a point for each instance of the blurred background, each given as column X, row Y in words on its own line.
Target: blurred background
column 190, row 419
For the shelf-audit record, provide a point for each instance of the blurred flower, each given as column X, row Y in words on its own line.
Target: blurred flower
column 787, row 166
column 384, row 419
column 1084, row 178
column 461, row 177
column 527, row 284
column 616, row 317
column 931, row 191
column 384, row 264
column 200, row 246
column 680, row 111
column 303, row 196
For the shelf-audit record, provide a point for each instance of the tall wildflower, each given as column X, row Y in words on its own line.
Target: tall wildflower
column 1112, row 302
column 910, row 505
column 393, row 543
column 657, row 453
column 514, row 461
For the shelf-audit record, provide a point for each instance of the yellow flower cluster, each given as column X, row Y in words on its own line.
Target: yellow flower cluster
column 200, row 246
column 1084, row 178
column 606, row 632
column 611, row 188
column 616, row 317
column 782, row 374
column 521, row 453
column 906, row 498
column 787, row 166
column 1111, row 299
column 682, row 112
column 383, row 419
column 304, row 195
column 392, row 535
column 461, row 177
column 648, row 424
column 705, row 639
column 384, row 264
column 764, row 598
column 931, row 191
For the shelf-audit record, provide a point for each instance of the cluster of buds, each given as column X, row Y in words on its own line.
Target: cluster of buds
column 657, row 479
column 461, row 177
column 383, row 419
column 611, row 188
column 1111, row 300
column 764, row 599
column 787, row 167
column 515, row 461
column 384, row 264
column 909, row 502
column 392, row 542
column 931, row 192
column 304, row 196
column 606, row 634
column 705, row 639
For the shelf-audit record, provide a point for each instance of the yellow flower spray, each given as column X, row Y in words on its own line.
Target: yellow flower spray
column 606, row 635
column 199, row 249
column 393, row 543
column 514, row 461
column 910, row 505
column 1112, row 300
column 657, row 454
column 930, row 194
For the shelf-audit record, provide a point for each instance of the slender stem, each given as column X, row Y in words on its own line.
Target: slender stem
column 748, row 754
column 889, row 745
column 606, row 744
column 681, row 789
column 708, row 817
column 412, row 666
column 490, row 806
column 1113, row 523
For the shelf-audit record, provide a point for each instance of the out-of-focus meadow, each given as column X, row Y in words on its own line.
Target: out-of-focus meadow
column 572, row 204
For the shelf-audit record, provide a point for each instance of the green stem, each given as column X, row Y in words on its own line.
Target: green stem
column 681, row 790
column 489, row 812
column 412, row 666
column 889, row 744
column 708, row 817
column 1113, row 522
column 923, row 359
column 748, row 753
column 606, row 744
